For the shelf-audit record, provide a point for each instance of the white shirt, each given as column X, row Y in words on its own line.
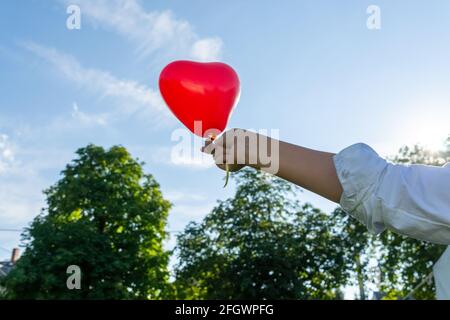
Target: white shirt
column 413, row 200
column 442, row 276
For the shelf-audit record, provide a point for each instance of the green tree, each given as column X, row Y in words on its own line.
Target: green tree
column 105, row 216
column 261, row 244
column 359, row 249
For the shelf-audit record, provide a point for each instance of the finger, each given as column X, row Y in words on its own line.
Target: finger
column 222, row 166
column 220, row 154
column 208, row 142
column 208, row 147
column 235, row 168
column 231, row 168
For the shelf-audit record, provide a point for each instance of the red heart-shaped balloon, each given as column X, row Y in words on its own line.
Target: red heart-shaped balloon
column 205, row 93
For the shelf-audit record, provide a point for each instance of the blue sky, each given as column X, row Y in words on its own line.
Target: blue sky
column 311, row 69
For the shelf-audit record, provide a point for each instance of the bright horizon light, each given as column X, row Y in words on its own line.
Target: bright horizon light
column 425, row 128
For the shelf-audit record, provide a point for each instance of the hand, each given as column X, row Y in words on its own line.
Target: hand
column 232, row 149
column 310, row 169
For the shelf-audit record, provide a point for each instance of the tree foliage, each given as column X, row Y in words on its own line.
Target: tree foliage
column 105, row 216
column 108, row 217
column 261, row 244
column 358, row 247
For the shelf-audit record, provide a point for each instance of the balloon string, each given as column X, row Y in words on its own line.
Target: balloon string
column 227, row 177
column 227, row 168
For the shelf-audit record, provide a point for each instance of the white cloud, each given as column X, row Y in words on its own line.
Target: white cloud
column 204, row 49
column 20, row 188
column 6, row 153
column 131, row 97
column 19, row 202
column 88, row 119
column 149, row 30
column 21, row 185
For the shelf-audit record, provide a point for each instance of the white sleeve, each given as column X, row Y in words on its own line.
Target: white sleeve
column 442, row 276
column 413, row 200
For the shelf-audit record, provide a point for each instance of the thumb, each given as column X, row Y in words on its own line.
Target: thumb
column 209, row 147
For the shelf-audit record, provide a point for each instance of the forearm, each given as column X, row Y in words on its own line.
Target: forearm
column 411, row 200
column 309, row 169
